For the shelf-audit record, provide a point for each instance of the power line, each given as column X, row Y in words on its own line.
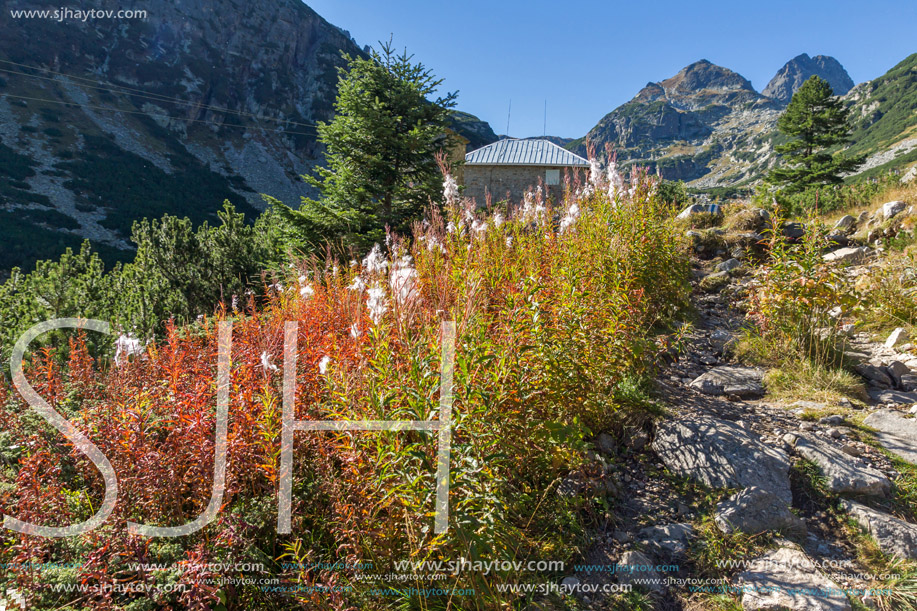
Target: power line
column 149, row 114
column 140, row 93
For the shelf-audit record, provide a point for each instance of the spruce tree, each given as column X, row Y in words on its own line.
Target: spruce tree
column 816, row 121
column 380, row 147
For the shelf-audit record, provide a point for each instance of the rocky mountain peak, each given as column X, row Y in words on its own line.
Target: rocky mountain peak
column 798, row 70
column 704, row 75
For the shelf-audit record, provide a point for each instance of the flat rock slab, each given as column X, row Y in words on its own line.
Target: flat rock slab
column 844, row 474
column 740, row 381
column 894, row 536
column 896, row 433
column 668, row 541
column 786, row 578
column 755, row 510
column 722, row 454
column 895, row 397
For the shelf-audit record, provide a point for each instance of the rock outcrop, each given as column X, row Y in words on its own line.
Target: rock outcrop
column 799, row 69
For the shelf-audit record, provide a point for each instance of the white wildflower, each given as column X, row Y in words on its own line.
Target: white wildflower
column 615, row 182
column 125, row 346
column 450, row 190
column 306, row 291
column 376, row 304
column 569, row 218
column 509, row 241
column 498, row 219
column 302, row 280
column 404, row 282
column 595, row 172
column 375, row 262
column 266, row 362
column 354, row 330
column 478, row 226
column 323, row 364
column 358, row 284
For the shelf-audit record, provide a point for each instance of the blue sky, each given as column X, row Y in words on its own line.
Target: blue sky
column 585, row 58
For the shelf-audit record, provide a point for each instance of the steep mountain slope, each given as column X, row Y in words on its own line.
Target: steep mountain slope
column 110, row 120
column 799, row 69
column 884, row 113
column 705, row 124
column 105, row 121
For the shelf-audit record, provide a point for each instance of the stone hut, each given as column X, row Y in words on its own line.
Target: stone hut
column 507, row 168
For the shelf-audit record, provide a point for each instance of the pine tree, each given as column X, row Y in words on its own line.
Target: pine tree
column 817, row 121
column 380, row 148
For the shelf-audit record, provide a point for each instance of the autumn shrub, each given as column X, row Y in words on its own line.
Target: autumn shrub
column 555, row 313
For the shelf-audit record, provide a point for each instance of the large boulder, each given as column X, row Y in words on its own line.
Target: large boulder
column 874, row 375
column 851, row 256
column 896, row 433
column 892, row 209
column 845, row 224
column 787, row 579
column 755, row 510
column 898, row 336
column 739, row 381
column 722, row 454
column 894, row 536
column 844, row 474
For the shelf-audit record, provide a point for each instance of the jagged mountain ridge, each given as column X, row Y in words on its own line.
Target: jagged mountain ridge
column 709, row 127
column 683, row 124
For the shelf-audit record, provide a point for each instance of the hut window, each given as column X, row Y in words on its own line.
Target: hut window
column 552, row 177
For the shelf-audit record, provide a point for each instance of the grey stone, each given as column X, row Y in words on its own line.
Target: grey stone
column 755, row 510
column 892, row 397
column 637, row 566
column 892, row 209
column 739, row 381
column 851, row 449
column 832, row 419
column 898, row 336
column 897, row 369
column 847, row 255
column 845, row 223
column 896, row 433
column 638, row 441
column 874, row 375
column 894, row 536
column 844, row 474
column 728, row 266
column 794, row 231
column 787, row 579
column 721, row 454
column 699, row 209
column 909, row 382
column 669, row 541
column 606, row 444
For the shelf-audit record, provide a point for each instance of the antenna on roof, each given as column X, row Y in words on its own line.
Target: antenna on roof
column 545, row 130
column 508, row 112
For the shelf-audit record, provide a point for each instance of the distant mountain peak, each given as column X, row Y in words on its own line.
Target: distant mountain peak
column 703, row 75
column 799, row 69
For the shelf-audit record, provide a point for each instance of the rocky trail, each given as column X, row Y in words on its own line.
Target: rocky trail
column 724, row 460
